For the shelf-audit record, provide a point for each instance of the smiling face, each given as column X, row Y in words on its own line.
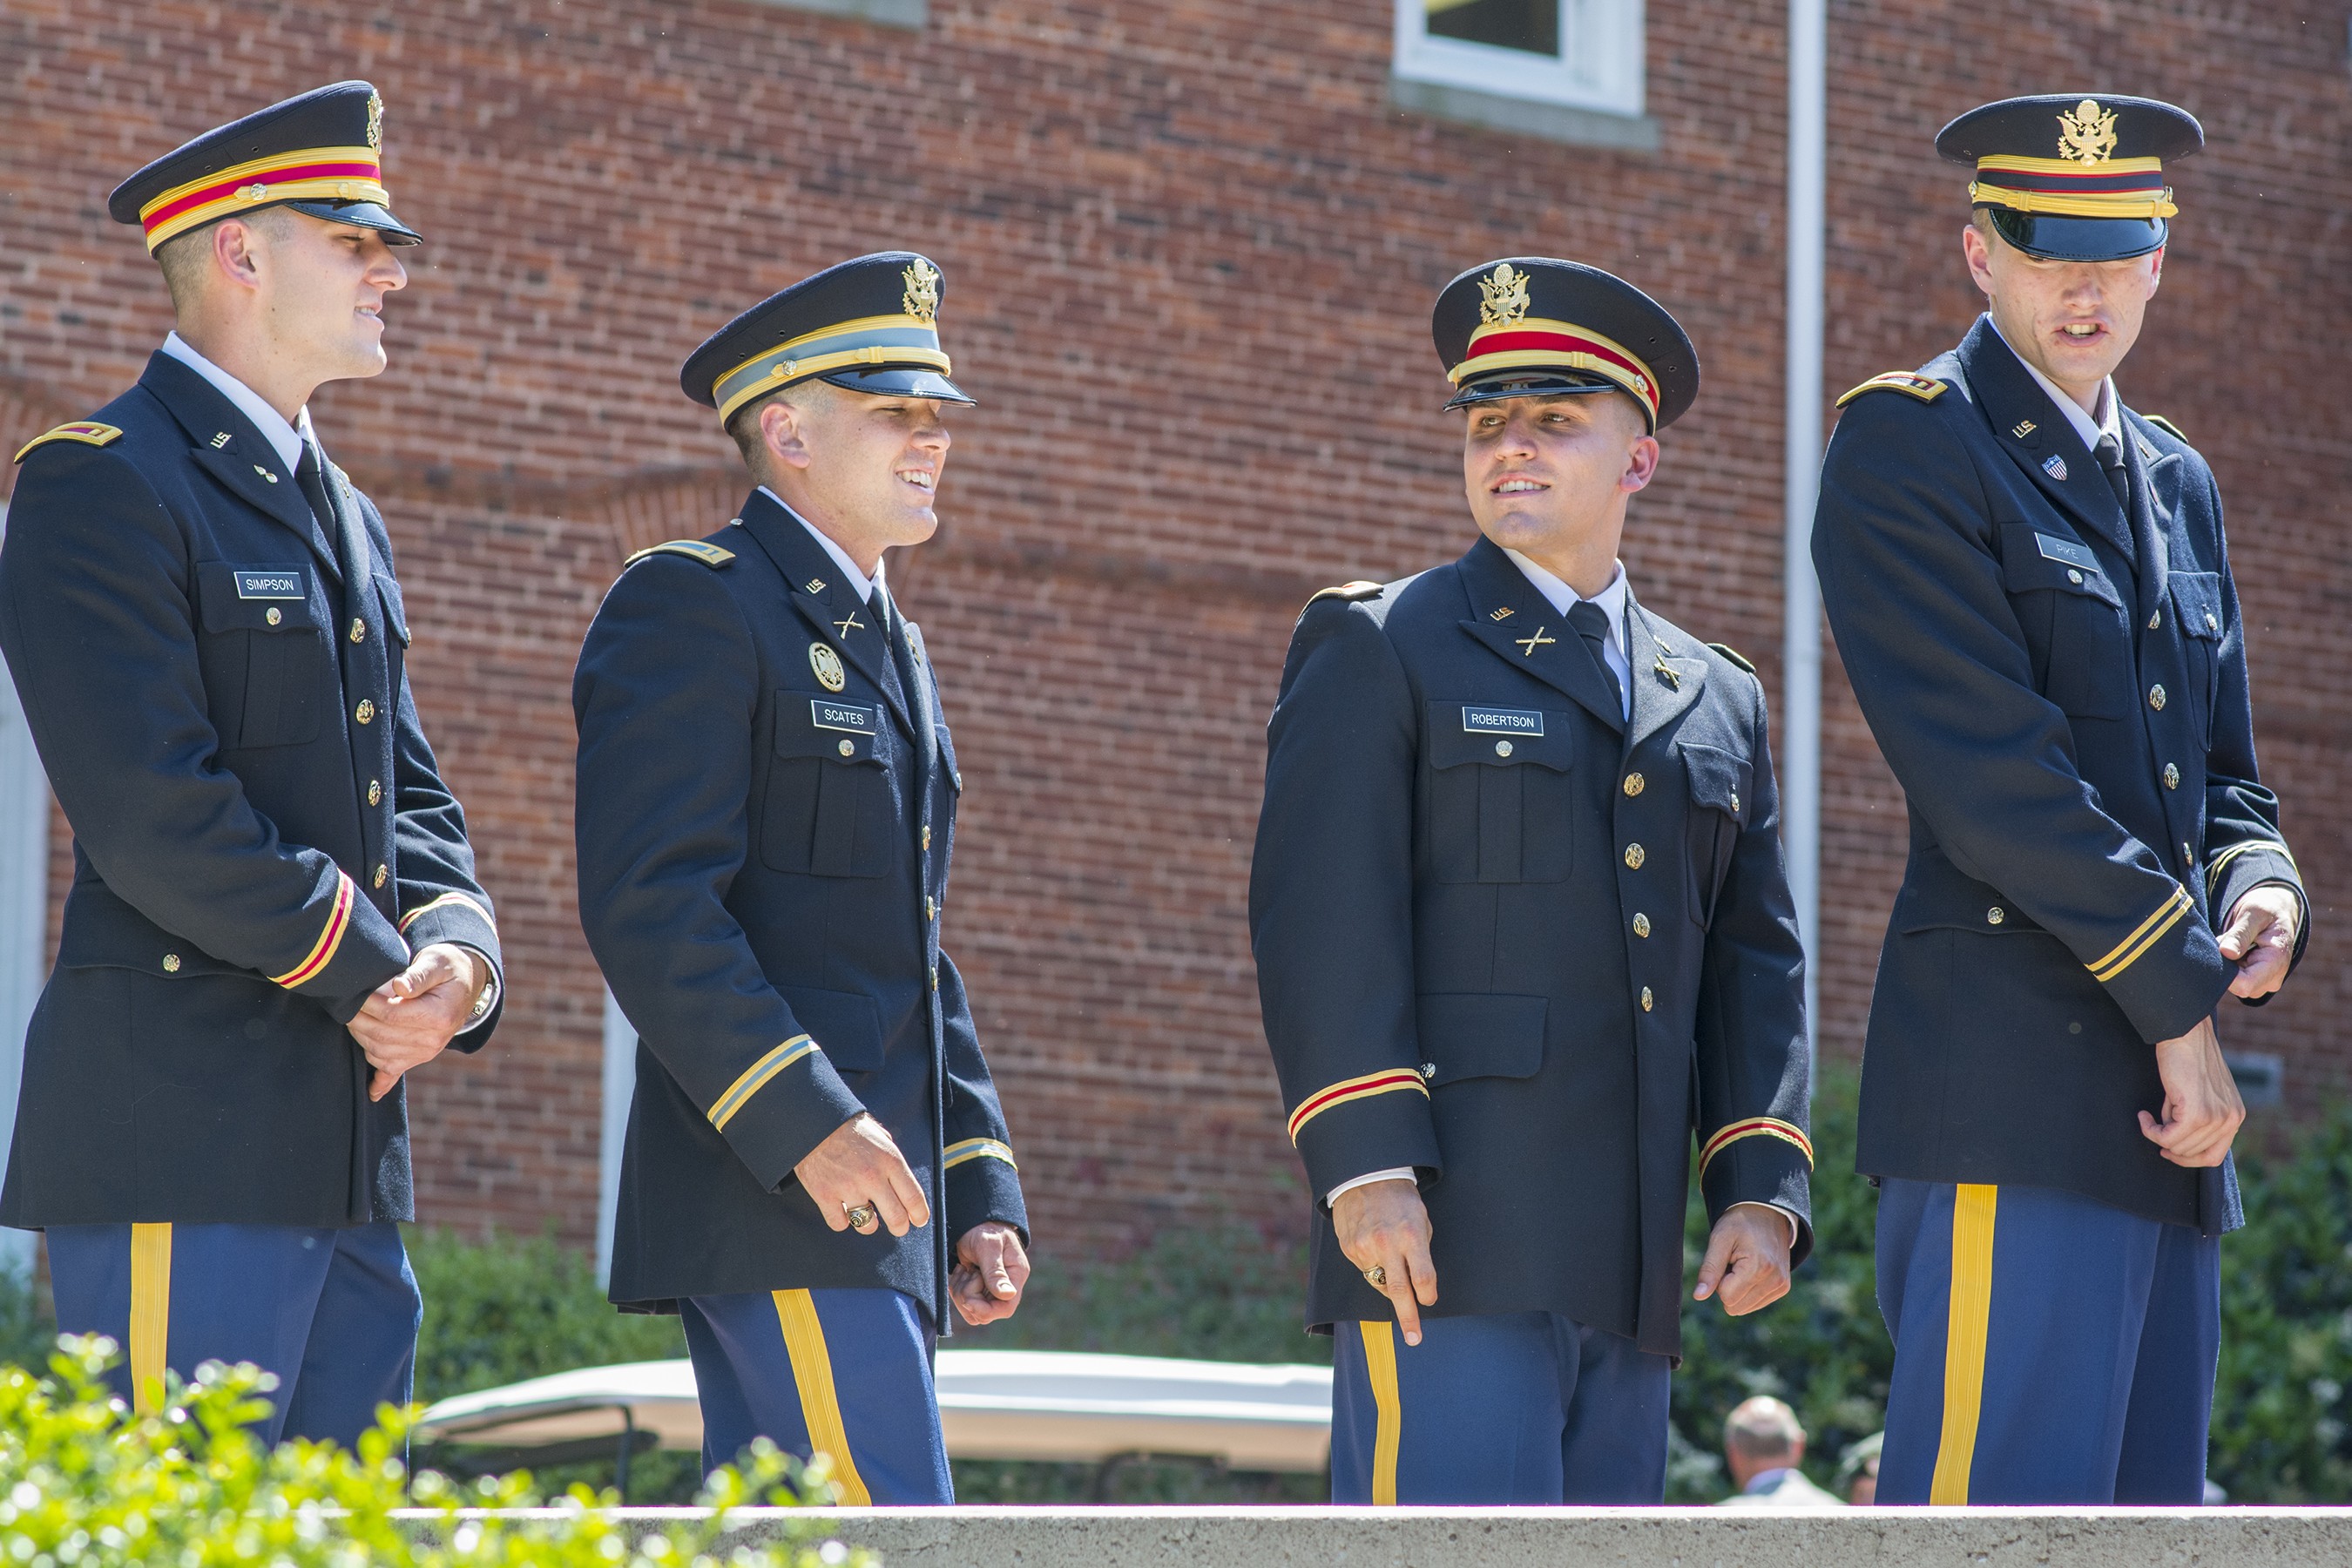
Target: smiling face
column 324, row 292
column 1549, row 477
column 864, row 467
column 2071, row 321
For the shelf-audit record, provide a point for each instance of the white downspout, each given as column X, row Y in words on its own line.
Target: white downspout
column 1801, row 697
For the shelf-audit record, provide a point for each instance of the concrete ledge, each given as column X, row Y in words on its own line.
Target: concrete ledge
column 1525, row 116
column 913, row 14
column 1549, row 1538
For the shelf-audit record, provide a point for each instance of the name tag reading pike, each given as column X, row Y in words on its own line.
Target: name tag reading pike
column 269, row 582
column 2067, row 550
column 1502, row 720
column 845, row 716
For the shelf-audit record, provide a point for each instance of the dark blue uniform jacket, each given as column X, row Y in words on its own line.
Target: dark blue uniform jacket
column 763, row 866
column 1509, row 940
column 2061, row 689
column 260, row 836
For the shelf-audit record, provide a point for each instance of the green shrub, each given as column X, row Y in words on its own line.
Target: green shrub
column 84, row 1481
column 510, row 1307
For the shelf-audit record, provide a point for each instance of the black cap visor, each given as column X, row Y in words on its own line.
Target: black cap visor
column 366, row 215
column 2051, row 238
column 1541, row 384
column 899, row 381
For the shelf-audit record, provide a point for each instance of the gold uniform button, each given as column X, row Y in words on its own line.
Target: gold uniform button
column 381, row 873
column 1995, row 915
column 2188, row 856
column 926, row 835
column 365, row 712
column 1735, row 803
column 935, row 977
column 1636, row 783
column 2074, row 577
column 274, row 615
column 1648, row 1001
column 2210, row 624
column 170, row 963
column 1641, row 925
column 2156, row 620
column 2156, row 698
column 359, row 630
column 1634, row 856
column 375, row 792
column 1502, row 748
column 931, row 907
column 849, row 748
column 2172, row 776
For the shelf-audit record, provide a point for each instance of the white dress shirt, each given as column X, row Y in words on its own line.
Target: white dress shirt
column 287, row 441
column 849, row 569
column 2108, row 421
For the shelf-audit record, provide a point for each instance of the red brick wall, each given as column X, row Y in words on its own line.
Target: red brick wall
column 1190, row 254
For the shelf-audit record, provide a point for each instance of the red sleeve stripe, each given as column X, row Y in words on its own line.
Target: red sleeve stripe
column 1756, row 1127
column 1364, row 1088
column 339, row 920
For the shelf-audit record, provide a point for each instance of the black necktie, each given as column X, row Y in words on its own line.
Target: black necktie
column 350, row 550
column 887, row 622
column 1591, row 623
column 2110, row 454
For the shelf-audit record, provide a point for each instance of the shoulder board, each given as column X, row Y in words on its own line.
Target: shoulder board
column 1349, row 591
column 2158, row 420
column 710, row 555
column 1926, row 388
column 1734, row 655
column 89, row 432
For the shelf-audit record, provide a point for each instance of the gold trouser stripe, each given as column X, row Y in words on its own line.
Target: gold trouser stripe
column 151, row 1314
column 1969, row 1318
column 820, row 1404
column 1379, row 1365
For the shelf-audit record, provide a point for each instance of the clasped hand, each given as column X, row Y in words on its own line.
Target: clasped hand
column 411, row 1018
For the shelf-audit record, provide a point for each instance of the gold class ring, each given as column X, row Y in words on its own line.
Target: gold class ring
column 859, row 1217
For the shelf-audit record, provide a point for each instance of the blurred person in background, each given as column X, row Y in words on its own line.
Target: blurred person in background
column 1763, row 1444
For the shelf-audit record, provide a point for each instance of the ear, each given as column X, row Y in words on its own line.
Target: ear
column 1641, row 463
column 1979, row 255
column 781, row 432
column 237, row 252
column 2156, row 269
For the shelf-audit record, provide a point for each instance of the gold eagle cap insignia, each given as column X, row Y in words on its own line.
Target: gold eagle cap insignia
column 375, row 120
column 1505, row 291
column 922, row 300
column 2088, row 134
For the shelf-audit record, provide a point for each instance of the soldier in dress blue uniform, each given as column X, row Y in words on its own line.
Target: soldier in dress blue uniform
column 1523, row 927
column 2031, row 594
column 816, row 1166
column 274, row 913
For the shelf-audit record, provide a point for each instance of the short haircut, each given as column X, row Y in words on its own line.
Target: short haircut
column 743, row 426
column 1762, row 1428
column 186, row 259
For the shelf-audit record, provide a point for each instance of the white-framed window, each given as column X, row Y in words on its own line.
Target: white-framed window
column 24, row 916
column 1583, row 53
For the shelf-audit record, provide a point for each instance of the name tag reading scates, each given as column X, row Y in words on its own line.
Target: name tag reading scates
column 845, row 716
column 269, row 582
column 1501, row 720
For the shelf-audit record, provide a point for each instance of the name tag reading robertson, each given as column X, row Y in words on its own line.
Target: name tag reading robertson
column 1502, row 722
column 2066, row 550
column 845, row 716
column 265, row 583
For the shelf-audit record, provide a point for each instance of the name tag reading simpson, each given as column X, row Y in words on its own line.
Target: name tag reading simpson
column 269, row 582
column 2067, row 550
column 845, row 716
column 1502, row 720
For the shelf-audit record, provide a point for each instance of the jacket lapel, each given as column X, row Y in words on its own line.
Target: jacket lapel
column 1667, row 674
column 1520, row 627
column 227, row 446
column 2037, row 437
column 832, row 608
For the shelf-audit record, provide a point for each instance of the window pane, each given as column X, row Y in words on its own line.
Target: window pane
column 1529, row 25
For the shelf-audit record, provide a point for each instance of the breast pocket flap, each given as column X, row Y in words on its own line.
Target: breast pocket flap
column 1476, row 1035
column 260, row 598
column 846, row 1025
column 1720, row 781
column 2032, row 560
column 1462, row 734
column 841, row 731
column 2197, row 600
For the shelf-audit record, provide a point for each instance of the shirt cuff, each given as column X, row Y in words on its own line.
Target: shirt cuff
column 1794, row 1230
column 1394, row 1174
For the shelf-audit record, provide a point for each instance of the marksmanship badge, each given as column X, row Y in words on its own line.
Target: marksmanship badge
column 1505, row 291
column 2087, row 136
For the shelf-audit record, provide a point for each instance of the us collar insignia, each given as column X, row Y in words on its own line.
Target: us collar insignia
column 2055, row 467
column 815, row 585
column 1505, row 291
column 2088, row 134
column 1504, row 614
column 2024, row 428
column 1668, row 673
column 828, row 665
column 922, row 298
column 375, row 120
